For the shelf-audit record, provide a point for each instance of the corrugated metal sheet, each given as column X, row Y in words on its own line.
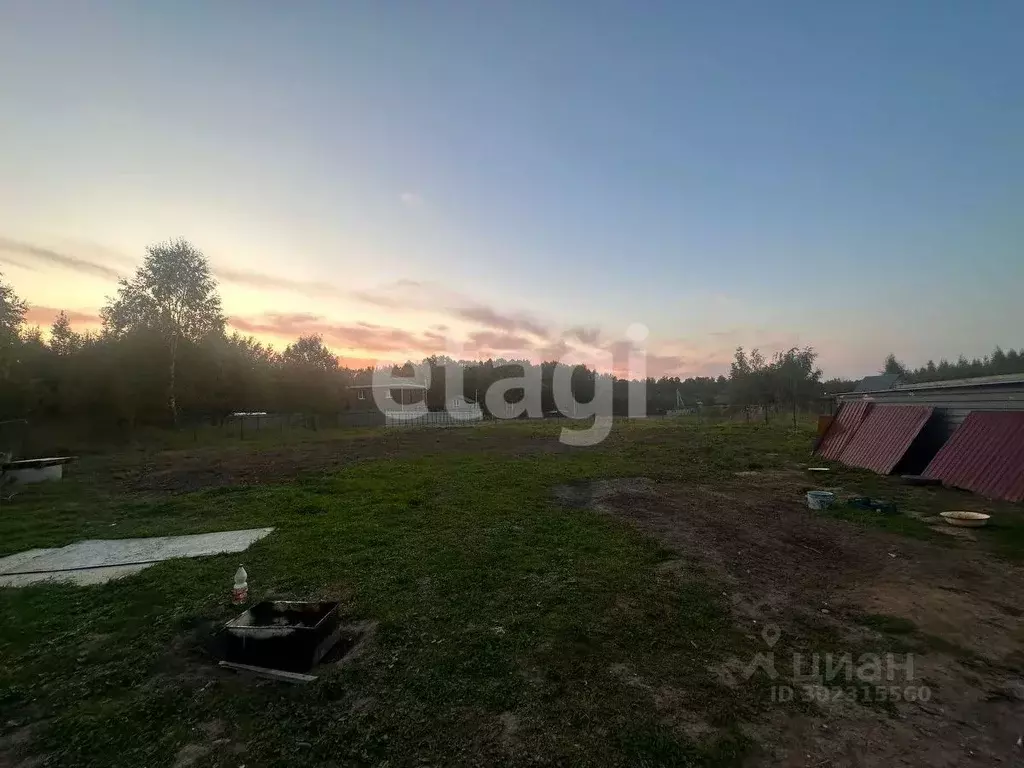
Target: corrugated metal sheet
column 842, row 428
column 884, row 436
column 986, row 455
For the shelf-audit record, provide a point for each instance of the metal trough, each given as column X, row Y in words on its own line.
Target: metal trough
column 287, row 635
column 26, row 471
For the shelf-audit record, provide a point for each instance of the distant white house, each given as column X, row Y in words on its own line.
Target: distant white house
column 396, row 396
column 404, row 406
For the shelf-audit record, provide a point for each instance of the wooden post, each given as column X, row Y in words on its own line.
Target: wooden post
column 794, row 401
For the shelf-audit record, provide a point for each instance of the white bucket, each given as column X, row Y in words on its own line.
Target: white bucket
column 820, row 499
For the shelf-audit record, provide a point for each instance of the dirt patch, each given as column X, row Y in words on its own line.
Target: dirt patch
column 15, row 738
column 963, row 617
column 355, row 639
column 587, row 494
column 821, row 583
column 191, row 754
column 509, row 730
column 201, row 752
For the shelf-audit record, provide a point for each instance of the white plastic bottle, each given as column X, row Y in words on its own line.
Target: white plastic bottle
column 240, row 592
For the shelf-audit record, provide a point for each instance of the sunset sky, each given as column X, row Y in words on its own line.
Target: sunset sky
column 531, row 178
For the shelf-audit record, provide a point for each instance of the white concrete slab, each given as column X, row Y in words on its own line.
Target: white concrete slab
column 99, row 560
column 82, row 578
column 13, row 562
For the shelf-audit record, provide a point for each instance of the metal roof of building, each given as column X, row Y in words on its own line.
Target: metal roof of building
column 389, row 386
column 877, row 383
column 985, row 455
column 884, row 436
column 842, row 428
column 978, row 381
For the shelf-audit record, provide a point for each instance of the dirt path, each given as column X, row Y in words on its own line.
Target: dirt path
column 823, row 585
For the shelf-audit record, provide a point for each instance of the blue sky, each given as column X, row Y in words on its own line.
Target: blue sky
column 845, row 175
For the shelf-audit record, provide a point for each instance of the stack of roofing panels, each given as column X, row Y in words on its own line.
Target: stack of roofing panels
column 884, row 436
column 985, row 455
column 842, row 428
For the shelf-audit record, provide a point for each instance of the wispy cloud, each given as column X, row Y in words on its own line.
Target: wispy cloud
column 365, row 337
column 30, row 256
column 660, row 361
column 25, row 254
column 438, row 298
column 585, row 335
column 555, row 350
column 499, row 321
column 401, row 294
column 44, row 316
column 276, row 323
column 267, row 282
column 499, row 341
column 679, row 357
column 412, row 200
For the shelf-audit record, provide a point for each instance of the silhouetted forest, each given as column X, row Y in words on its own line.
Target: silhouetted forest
column 164, row 357
column 995, row 364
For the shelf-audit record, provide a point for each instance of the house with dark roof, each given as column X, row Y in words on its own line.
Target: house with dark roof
column 877, row 383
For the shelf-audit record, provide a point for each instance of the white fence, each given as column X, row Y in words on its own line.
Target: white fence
column 463, row 417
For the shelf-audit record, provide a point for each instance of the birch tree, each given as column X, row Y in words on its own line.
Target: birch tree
column 12, row 314
column 172, row 295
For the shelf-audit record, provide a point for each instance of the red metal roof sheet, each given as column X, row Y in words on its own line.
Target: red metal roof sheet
column 985, row 455
column 846, row 422
column 884, row 436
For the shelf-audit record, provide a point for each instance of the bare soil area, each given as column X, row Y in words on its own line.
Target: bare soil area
column 804, row 583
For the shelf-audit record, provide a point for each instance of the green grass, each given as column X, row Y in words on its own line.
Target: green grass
column 504, row 621
column 1003, row 536
column 77, row 439
column 894, row 523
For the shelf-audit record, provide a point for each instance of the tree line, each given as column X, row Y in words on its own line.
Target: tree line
column 995, row 364
column 164, row 357
column 788, row 381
